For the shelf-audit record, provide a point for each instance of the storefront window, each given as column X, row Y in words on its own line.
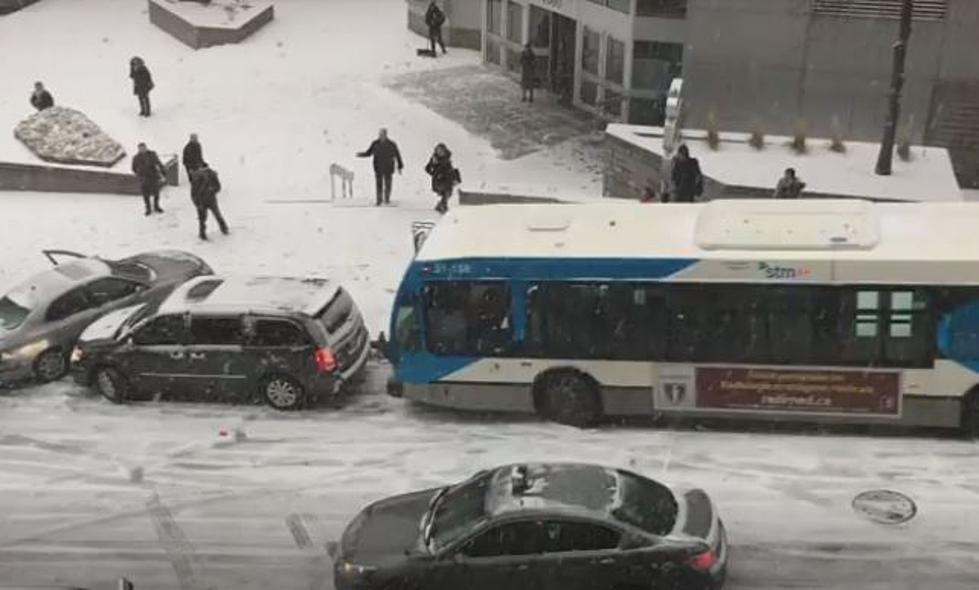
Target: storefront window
column 662, row 8
column 514, row 20
column 513, row 59
column 612, row 103
column 589, row 51
column 540, row 27
column 494, row 17
column 492, row 50
column 647, row 111
column 620, row 5
column 615, row 61
column 654, row 64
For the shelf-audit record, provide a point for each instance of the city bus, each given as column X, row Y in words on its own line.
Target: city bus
column 817, row 310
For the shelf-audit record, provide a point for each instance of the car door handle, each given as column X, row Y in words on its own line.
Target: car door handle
column 196, row 356
column 176, row 355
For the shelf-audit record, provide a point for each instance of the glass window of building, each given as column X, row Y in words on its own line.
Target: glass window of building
column 589, row 92
column 494, row 16
column 655, row 64
column 590, row 50
column 615, row 61
column 492, row 50
column 613, row 103
column 620, row 5
column 514, row 22
column 540, row 27
column 662, row 8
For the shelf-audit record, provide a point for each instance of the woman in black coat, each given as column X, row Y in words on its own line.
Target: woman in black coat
column 142, row 84
column 444, row 176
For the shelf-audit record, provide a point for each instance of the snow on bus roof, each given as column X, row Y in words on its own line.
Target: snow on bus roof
column 748, row 229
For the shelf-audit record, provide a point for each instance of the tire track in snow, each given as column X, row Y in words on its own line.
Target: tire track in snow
column 175, row 543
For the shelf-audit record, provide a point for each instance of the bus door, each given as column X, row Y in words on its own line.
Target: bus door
column 406, row 328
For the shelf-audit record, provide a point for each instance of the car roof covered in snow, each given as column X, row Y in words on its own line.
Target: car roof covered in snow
column 727, row 230
column 271, row 295
column 578, row 488
column 45, row 286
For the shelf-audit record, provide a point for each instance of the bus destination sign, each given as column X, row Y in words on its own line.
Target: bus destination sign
column 799, row 391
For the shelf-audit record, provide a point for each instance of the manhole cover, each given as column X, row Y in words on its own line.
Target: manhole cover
column 885, row 506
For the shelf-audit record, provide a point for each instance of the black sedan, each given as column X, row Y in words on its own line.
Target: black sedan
column 540, row 527
column 41, row 318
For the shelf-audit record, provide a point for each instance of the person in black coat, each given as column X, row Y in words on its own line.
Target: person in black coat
column 528, row 73
column 41, row 99
column 688, row 182
column 193, row 155
column 204, row 188
column 150, row 172
column 444, row 176
column 142, row 84
column 435, row 18
column 386, row 155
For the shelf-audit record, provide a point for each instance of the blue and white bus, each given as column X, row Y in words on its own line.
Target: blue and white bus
column 815, row 310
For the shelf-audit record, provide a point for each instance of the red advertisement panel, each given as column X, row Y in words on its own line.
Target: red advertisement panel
column 823, row 392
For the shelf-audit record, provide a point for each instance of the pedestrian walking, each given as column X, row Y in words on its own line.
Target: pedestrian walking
column 789, row 186
column 204, row 188
column 444, row 176
column 688, row 182
column 41, row 99
column 435, row 18
column 385, row 154
column 151, row 173
column 142, row 84
column 193, row 155
column 528, row 73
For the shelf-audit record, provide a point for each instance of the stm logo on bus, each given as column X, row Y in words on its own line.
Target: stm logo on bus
column 773, row 271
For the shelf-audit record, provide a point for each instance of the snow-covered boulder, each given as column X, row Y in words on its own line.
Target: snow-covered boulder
column 64, row 135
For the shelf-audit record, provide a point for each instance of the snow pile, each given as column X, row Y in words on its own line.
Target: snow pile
column 64, row 135
column 215, row 13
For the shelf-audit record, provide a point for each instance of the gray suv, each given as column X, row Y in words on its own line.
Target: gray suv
column 282, row 340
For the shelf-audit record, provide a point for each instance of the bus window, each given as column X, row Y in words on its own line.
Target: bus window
column 908, row 339
column 468, row 318
column 407, row 329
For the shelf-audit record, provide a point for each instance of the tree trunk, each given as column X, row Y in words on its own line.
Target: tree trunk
column 886, row 156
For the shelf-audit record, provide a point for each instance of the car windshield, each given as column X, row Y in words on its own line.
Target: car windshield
column 458, row 511
column 645, row 504
column 12, row 313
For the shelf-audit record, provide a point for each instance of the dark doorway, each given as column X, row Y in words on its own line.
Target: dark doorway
column 561, row 66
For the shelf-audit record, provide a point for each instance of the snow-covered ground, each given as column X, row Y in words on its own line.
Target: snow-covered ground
column 90, row 491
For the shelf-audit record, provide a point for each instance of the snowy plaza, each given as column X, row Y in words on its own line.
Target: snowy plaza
column 195, row 496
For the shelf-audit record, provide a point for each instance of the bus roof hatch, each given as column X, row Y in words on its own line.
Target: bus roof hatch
column 812, row 224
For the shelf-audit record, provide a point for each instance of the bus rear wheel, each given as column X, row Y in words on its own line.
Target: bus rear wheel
column 568, row 397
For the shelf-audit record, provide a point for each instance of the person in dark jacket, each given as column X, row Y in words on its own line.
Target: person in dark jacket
column 204, row 188
column 150, row 172
column 41, row 99
column 789, row 186
column 528, row 73
column 435, row 18
column 386, row 155
column 688, row 182
column 193, row 155
column 444, row 176
column 142, row 84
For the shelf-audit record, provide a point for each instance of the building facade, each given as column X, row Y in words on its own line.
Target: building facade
column 774, row 66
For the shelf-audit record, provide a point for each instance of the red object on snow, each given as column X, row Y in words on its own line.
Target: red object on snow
column 222, row 433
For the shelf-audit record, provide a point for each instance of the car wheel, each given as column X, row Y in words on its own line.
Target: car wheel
column 282, row 393
column 111, row 384
column 51, row 365
column 569, row 397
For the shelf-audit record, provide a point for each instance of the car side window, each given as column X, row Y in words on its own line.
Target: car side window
column 69, row 304
column 111, row 289
column 216, row 331
column 563, row 536
column 516, row 538
column 278, row 333
column 164, row 330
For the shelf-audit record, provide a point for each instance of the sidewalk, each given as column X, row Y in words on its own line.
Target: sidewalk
column 487, row 103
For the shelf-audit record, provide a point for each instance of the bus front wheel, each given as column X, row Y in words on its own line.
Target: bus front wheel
column 568, row 397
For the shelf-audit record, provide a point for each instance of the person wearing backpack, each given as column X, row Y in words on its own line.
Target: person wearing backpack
column 444, row 175
column 204, row 189
column 435, row 18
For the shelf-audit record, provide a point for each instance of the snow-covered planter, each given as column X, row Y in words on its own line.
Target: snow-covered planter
column 215, row 22
column 64, row 135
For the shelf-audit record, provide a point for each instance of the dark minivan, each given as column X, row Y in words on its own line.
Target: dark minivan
column 283, row 340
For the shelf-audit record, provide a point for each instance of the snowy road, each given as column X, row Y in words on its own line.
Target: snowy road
column 90, row 491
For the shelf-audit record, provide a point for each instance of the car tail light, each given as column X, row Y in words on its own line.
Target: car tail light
column 703, row 561
column 325, row 361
